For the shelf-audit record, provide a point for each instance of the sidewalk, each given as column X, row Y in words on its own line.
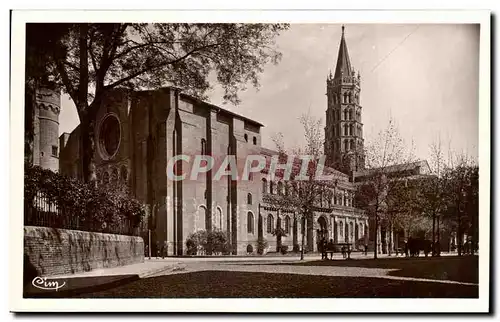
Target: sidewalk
column 95, row 280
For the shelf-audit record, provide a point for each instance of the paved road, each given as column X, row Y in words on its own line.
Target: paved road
column 290, row 277
column 282, row 265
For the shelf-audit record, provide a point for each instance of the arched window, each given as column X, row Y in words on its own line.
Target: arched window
column 351, row 129
column 264, row 185
column 341, row 229
column 346, row 147
column 254, row 140
column 203, row 147
column 353, row 147
column 287, row 225
column 280, row 188
column 246, row 137
column 345, row 97
column 249, row 199
column 346, row 129
column 270, row 224
column 350, row 115
column 114, row 175
column 201, row 222
column 345, row 115
column 250, row 223
column 217, row 220
column 271, row 187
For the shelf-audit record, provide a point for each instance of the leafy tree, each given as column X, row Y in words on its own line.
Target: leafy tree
column 40, row 46
column 93, row 59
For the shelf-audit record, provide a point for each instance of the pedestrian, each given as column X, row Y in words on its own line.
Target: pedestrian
column 158, row 249
column 343, row 252
column 146, row 250
column 164, row 250
column 330, row 247
column 366, row 249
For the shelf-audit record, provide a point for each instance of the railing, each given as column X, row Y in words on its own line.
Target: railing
column 46, row 213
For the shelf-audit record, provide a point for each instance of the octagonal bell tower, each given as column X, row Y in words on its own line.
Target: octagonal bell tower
column 344, row 129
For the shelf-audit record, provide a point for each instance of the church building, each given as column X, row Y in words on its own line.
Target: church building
column 138, row 132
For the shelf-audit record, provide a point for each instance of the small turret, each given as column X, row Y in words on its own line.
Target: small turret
column 46, row 141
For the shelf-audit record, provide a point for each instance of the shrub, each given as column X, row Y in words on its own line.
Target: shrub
column 249, row 249
column 203, row 242
column 261, row 245
column 196, row 241
column 284, row 249
column 217, row 243
column 73, row 204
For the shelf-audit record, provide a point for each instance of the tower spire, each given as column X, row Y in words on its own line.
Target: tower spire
column 343, row 61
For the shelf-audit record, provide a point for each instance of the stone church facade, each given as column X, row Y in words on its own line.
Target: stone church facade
column 138, row 132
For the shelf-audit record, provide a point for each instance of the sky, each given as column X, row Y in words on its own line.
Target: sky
column 424, row 77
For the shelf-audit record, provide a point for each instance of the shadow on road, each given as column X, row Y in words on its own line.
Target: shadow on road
column 232, row 284
column 460, row 269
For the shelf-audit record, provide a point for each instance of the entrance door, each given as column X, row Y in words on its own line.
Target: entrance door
column 323, row 230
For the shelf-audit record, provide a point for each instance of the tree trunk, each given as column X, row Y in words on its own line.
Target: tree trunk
column 375, row 238
column 86, row 112
column 438, row 246
column 389, row 246
column 29, row 123
column 302, row 239
column 87, row 137
column 434, row 234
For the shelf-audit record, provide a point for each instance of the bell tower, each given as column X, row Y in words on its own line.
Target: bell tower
column 344, row 128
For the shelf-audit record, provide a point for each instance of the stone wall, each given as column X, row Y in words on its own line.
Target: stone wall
column 58, row 251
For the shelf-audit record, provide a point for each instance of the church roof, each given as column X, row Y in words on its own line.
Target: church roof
column 420, row 166
column 343, row 61
column 220, row 109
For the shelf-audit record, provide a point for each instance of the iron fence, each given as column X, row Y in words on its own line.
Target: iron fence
column 40, row 211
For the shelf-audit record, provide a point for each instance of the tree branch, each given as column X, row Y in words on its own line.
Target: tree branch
column 150, row 68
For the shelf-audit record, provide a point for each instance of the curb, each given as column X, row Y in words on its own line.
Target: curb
column 167, row 268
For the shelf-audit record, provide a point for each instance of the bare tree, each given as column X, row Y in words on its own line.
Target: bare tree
column 304, row 196
column 389, row 162
column 430, row 196
column 461, row 197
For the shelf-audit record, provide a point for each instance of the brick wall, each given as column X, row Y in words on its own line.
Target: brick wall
column 59, row 251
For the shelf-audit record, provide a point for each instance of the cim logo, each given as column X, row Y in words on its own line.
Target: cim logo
column 44, row 284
